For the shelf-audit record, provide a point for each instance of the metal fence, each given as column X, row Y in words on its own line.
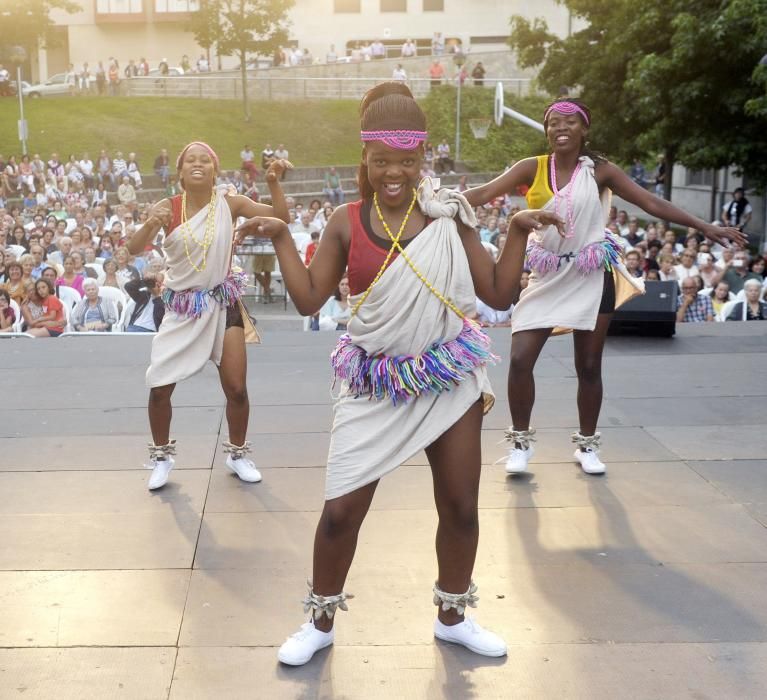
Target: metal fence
column 229, row 86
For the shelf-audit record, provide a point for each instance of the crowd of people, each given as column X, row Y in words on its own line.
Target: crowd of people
column 59, row 228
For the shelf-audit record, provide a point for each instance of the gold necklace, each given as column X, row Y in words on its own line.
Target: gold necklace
column 207, row 237
column 395, row 242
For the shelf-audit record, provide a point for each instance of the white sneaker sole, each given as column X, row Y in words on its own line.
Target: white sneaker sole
column 520, row 468
column 294, row 662
column 597, row 471
column 247, row 481
column 481, row 652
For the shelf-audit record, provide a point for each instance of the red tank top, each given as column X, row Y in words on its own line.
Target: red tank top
column 175, row 214
column 365, row 256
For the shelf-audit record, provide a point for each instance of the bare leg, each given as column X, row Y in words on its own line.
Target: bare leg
column 233, row 373
column 160, row 412
column 335, row 542
column 526, row 346
column 456, row 459
column 588, row 365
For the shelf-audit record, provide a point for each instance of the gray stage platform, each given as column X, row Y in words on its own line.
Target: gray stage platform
column 647, row 583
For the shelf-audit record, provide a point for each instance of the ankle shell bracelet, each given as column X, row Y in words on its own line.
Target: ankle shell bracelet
column 235, row 451
column 520, row 437
column 459, row 601
column 160, row 452
column 324, row 604
column 587, row 442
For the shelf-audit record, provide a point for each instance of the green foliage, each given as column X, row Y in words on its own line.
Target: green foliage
column 27, row 22
column 672, row 76
column 316, row 132
column 504, row 145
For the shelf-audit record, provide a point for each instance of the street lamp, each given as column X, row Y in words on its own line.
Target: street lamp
column 458, row 59
column 17, row 57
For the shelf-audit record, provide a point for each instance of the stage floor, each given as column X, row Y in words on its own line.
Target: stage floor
column 646, row 583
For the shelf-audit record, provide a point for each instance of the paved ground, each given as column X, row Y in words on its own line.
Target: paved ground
column 647, row 583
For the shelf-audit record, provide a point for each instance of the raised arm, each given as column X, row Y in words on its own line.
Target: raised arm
column 610, row 175
column 159, row 217
column 497, row 284
column 521, row 173
column 246, row 207
column 311, row 286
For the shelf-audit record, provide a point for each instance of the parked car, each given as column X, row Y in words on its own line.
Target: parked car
column 11, row 89
column 55, row 85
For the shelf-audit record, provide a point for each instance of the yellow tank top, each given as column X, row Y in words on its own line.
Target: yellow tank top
column 540, row 192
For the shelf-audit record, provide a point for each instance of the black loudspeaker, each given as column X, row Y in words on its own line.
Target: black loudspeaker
column 652, row 313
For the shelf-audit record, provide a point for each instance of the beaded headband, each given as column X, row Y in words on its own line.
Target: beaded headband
column 567, row 108
column 204, row 146
column 401, row 139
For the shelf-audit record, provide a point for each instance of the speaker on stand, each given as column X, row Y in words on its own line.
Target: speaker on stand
column 653, row 313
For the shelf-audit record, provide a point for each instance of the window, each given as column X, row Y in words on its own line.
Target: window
column 346, row 5
column 700, row 178
column 161, row 6
column 434, row 6
column 119, row 7
column 393, row 5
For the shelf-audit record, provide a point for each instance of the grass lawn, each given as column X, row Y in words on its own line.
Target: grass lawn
column 315, row 133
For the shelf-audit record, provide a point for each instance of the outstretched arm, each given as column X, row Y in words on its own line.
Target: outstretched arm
column 309, row 287
column 521, row 173
column 497, row 284
column 610, row 175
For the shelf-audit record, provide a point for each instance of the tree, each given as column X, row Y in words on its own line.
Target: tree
column 206, row 26
column 27, row 23
column 243, row 28
column 680, row 77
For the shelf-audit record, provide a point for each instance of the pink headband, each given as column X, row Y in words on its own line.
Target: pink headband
column 400, row 139
column 205, row 146
column 567, row 108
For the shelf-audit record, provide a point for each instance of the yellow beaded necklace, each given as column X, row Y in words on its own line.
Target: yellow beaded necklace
column 207, row 237
column 395, row 245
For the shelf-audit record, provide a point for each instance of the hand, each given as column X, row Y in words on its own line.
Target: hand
column 530, row 219
column 261, row 227
column 276, row 168
column 161, row 212
column 688, row 299
column 726, row 235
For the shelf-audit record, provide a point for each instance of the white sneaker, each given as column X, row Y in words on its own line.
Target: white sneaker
column 301, row 646
column 518, row 459
column 472, row 636
column 160, row 472
column 589, row 461
column 244, row 468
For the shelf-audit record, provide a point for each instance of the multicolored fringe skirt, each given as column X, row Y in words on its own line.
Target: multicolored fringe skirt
column 405, row 377
column 194, row 302
column 593, row 257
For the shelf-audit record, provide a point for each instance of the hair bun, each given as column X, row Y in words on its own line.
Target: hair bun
column 382, row 90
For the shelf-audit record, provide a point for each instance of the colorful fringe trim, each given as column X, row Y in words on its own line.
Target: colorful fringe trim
column 594, row 256
column 405, row 377
column 194, row 302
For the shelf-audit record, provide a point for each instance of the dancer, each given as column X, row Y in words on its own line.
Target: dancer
column 412, row 366
column 577, row 282
column 204, row 319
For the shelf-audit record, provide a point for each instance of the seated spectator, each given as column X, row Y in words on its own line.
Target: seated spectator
column 652, row 275
column 133, row 171
column 15, row 285
column 302, row 230
column 52, row 321
column 336, row 312
column 737, row 273
column 70, row 278
column 19, row 237
column 311, row 249
column 248, row 163
column 51, row 274
column 92, row 313
column 126, row 193
column 708, row 271
column 445, row 163
column 633, row 233
column 7, row 317
column 633, row 261
column 150, row 309
column 64, row 246
column 666, row 267
column 752, row 308
column 332, row 187
column 686, row 267
column 693, row 307
column 162, row 166
column 489, row 230
column 125, row 270
column 757, row 267
column 119, row 167
column 669, row 236
column 110, row 274
column 720, row 295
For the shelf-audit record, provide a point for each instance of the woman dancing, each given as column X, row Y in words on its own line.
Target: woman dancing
column 410, row 351
column 577, row 281
column 203, row 319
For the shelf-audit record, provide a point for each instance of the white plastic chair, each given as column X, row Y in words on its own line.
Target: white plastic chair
column 17, row 250
column 725, row 310
column 114, row 295
column 17, row 315
column 741, row 295
column 99, row 270
column 69, row 296
column 122, row 324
